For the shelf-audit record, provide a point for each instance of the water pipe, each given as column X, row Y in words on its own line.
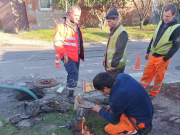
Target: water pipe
column 21, row 89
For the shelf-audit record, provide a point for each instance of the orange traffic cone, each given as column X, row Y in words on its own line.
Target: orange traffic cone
column 137, row 64
column 57, row 63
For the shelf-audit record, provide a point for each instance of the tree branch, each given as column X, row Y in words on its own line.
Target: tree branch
column 143, row 5
column 147, row 10
column 98, row 16
column 137, row 9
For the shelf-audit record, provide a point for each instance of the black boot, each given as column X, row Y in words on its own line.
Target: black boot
column 70, row 96
column 144, row 131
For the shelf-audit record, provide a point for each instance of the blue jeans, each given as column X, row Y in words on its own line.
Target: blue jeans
column 72, row 68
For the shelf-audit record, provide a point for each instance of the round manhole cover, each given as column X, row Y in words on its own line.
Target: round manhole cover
column 177, row 67
column 46, row 83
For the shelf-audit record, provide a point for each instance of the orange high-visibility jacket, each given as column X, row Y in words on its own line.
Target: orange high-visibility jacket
column 66, row 41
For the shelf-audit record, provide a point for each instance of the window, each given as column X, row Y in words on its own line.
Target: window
column 45, row 5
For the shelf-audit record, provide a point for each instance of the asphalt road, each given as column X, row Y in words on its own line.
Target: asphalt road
column 20, row 64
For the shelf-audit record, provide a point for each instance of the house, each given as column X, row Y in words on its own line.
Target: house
column 20, row 15
column 42, row 14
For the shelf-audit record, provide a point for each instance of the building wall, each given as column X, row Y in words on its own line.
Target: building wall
column 47, row 19
column 41, row 19
column 20, row 15
column 13, row 15
column 6, row 15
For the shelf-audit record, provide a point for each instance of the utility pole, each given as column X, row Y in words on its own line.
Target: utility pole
column 66, row 6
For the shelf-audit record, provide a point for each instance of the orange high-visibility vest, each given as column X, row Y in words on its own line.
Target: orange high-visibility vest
column 66, row 41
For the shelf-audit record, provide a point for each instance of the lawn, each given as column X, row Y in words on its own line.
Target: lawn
column 92, row 34
column 56, row 119
column 1, row 29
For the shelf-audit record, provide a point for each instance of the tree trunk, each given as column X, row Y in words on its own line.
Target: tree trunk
column 102, row 18
column 160, row 17
column 102, row 24
column 141, row 24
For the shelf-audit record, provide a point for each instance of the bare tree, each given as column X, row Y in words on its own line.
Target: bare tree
column 99, row 7
column 143, row 7
column 164, row 3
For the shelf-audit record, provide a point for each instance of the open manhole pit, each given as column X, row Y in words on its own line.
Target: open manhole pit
column 23, row 96
column 28, row 97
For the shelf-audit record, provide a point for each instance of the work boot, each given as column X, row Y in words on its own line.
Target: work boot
column 144, row 131
column 106, row 101
column 70, row 95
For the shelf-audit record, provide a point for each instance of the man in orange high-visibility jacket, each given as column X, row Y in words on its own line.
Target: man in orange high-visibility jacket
column 69, row 45
column 163, row 46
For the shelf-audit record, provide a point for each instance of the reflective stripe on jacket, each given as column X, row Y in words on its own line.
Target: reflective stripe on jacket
column 66, row 41
column 112, row 48
column 164, row 45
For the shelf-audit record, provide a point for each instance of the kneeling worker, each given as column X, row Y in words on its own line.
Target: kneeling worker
column 130, row 109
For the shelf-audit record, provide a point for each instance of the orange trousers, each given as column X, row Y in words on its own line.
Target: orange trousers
column 155, row 67
column 124, row 127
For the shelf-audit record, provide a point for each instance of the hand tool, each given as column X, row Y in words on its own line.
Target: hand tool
column 68, row 125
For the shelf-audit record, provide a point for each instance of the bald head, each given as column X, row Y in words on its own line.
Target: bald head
column 75, row 13
column 75, row 7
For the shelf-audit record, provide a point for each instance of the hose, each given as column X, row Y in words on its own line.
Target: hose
column 21, row 89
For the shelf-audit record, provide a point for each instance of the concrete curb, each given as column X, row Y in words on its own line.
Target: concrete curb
column 139, row 40
column 40, row 43
column 105, row 43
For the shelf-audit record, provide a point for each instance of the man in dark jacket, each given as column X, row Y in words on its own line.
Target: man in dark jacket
column 115, row 56
column 163, row 45
column 130, row 107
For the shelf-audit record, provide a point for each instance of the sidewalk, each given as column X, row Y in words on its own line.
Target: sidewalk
column 10, row 39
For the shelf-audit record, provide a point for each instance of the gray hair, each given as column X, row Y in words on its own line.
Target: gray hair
column 171, row 7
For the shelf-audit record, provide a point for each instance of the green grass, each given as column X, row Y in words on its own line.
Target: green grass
column 1, row 29
column 146, row 33
column 97, row 123
column 92, row 34
column 7, row 128
column 56, row 119
column 51, row 118
column 44, row 34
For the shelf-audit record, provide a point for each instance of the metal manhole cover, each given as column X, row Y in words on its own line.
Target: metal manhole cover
column 177, row 67
column 46, row 83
